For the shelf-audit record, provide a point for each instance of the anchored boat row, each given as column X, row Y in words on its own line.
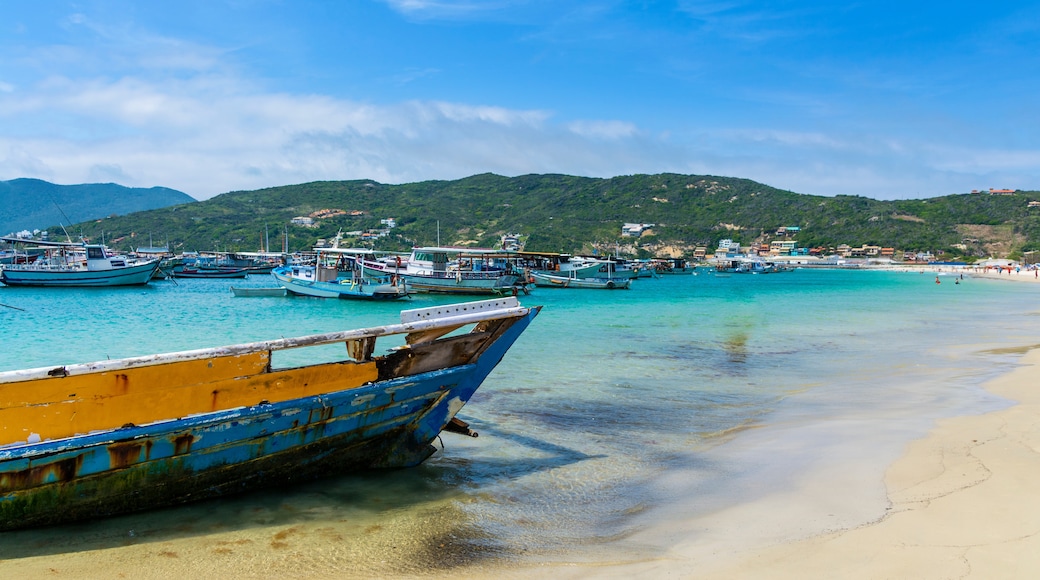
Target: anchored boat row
column 329, row 271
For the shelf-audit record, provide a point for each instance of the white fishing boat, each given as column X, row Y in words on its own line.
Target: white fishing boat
column 555, row 264
column 76, row 264
column 605, row 268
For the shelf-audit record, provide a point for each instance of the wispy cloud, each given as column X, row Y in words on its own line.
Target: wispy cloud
column 603, row 129
column 449, row 9
column 207, row 136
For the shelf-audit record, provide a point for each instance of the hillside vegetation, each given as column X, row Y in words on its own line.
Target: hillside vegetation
column 575, row 214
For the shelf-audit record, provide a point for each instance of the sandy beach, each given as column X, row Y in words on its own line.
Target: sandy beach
column 963, row 505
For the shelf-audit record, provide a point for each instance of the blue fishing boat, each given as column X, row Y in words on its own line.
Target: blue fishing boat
column 336, row 273
column 89, row 440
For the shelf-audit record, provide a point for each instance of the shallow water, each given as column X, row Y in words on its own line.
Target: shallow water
column 691, row 393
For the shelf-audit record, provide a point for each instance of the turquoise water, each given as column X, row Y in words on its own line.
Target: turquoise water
column 688, row 393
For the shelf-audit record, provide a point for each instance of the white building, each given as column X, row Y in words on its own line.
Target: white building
column 634, row 230
column 727, row 247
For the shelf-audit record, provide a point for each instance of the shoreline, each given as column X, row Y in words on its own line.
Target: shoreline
column 961, row 504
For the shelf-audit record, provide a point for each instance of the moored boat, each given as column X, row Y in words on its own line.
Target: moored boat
column 556, row 264
column 191, row 272
column 453, row 271
column 552, row 281
column 83, row 441
column 76, row 264
column 672, row 266
column 255, row 292
column 609, row 267
column 335, row 273
column 324, row 282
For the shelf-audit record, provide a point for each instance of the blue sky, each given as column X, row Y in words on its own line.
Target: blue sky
column 876, row 98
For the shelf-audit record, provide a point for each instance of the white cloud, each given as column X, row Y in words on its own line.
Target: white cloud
column 603, row 129
column 444, row 9
column 209, row 135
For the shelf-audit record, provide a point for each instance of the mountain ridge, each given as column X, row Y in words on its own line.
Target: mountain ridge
column 563, row 213
column 29, row 203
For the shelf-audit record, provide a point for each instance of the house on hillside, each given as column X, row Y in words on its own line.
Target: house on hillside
column 727, row 247
column 511, row 243
column 634, row 230
column 782, row 247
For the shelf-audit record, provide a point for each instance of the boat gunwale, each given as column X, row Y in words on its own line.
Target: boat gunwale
column 415, row 320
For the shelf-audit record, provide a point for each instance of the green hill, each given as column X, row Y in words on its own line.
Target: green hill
column 28, row 204
column 575, row 214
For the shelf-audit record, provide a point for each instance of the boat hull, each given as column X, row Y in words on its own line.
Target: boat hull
column 549, row 281
column 385, row 414
column 207, row 273
column 258, row 292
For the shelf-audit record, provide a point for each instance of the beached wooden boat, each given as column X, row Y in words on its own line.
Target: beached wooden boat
column 550, row 281
column 88, row 440
column 256, row 292
column 73, row 264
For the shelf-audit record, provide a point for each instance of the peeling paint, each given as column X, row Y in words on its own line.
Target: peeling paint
column 167, row 442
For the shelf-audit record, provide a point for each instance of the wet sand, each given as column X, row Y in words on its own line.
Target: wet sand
column 963, row 505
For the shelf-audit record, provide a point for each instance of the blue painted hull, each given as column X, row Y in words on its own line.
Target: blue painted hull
column 383, row 424
column 364, row 289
